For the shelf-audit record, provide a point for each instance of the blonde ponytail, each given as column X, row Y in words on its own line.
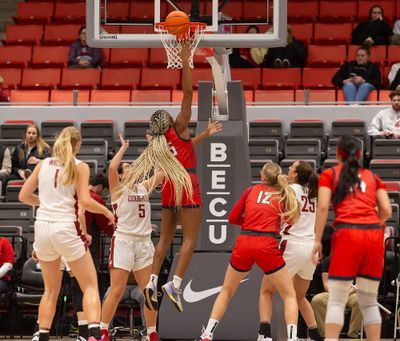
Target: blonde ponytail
column 158, row 156
column 64, row 151
column 272, row 176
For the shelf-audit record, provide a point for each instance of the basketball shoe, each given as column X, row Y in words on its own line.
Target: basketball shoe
column 104, row 335
column 173, row 294
column 263, row 338
column 35, row 336
column 151, row 296
column 152, row 337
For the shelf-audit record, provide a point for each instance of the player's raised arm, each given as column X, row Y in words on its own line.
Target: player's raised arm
column 183, row 118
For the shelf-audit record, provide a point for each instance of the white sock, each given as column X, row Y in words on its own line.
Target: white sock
column 104, row 325
column 42, row 331
column 154, row 279
column 331, row 339
column 292, row 331
column 82, row 322
column 151, row 330
column 209, row 331
column 177, row 281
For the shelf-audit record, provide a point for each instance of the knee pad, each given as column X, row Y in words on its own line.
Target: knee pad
column 369, row 308
column 338, row 294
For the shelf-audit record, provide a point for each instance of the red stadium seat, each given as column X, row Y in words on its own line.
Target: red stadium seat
column 365, row 6
column 393, row 53
column 66, row 97
column 40, row 78
column 378, row 53
column 60, row 34
column 160, row 78
column 115, row 11
column 123, row 97
column 251, row 78
column 129, row 57
column 177, row 96
column 139, row 29
column 232, row 8
column 185, row 6
column 15, row 56
column 384, row 96
column 305, row 11
column 50, row 56
column 11, row 77
column 80, row 79
column 24, row 34
column 316, row 95
column 274, row 96
column 281, row 78
column 257, row 10
column 324, row 56
column 332, row 33
column 303, row 32
column 151, row 96
column 30, row 96
column 34, row 12
column 120, row 78
column 158, row 57
column 249, row 96
column 202, row 74
column 331, row 12
column 316, row 78
column 144, row 10
column 70, row 13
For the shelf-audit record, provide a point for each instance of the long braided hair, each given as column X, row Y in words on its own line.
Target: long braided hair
column 157, row 155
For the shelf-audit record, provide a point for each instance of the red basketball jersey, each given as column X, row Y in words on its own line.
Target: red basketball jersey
column 182, row 149
column 258, row 209
column 358, row 207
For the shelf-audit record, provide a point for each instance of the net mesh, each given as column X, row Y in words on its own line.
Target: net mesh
column 173, row 44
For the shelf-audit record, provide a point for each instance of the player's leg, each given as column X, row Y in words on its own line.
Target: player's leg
column 168, row 227
column 190, row 219
column 231, row 283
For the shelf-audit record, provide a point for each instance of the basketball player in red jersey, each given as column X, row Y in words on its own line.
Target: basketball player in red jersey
column 186, row 209
column 260, row 211
column 357, row 244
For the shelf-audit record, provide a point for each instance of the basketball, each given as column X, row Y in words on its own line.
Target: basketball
column 177, row 23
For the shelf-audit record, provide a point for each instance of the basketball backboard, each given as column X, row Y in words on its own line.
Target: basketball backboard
column 112, row 23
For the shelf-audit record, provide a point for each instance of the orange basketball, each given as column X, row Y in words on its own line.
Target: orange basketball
column 177, row 23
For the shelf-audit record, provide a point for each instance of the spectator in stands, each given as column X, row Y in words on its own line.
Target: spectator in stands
column 386, row 122
column 97, row 223
column 395, row 40
column 5, row 167
column 248, row 57
column 28, row 153
column 83, row 56
column 358, row 77
column 6, row 263
column 4, row 91
column 320, row 301
column 294, row 54
column 375, row 31
column 394, row 77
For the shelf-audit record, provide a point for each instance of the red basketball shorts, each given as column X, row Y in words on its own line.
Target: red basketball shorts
column 168, row 195
column 356, row 253
column 262, row 250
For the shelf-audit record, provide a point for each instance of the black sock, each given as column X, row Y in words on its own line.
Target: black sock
column 314, row 334
column 95, row 332
column 84, row 331
column 44, row 336
column 265, row 329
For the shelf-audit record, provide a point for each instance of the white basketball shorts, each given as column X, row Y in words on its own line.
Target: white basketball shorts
column 130, row 253
column 297, row 256
column 55, row 239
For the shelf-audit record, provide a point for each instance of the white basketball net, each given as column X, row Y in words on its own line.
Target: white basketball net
column 173, row 44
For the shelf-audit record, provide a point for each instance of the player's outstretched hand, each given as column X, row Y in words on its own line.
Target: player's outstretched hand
column 316, row 254
column 213, row 127
column 124, row 143
column 185, row 53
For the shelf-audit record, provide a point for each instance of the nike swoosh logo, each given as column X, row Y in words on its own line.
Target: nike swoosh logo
column 191, row 296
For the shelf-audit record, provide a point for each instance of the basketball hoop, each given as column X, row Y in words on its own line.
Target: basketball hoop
column 173, row 44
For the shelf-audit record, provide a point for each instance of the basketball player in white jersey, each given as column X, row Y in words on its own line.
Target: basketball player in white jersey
column 131, row 245
column 63, row 182
column 296, row 246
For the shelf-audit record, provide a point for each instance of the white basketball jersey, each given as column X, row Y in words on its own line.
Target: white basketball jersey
column 57, row 202
column 304, row 228
column 132, row 212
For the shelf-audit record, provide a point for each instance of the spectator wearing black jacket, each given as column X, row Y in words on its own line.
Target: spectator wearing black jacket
column 358, row 77
column 375, row 31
